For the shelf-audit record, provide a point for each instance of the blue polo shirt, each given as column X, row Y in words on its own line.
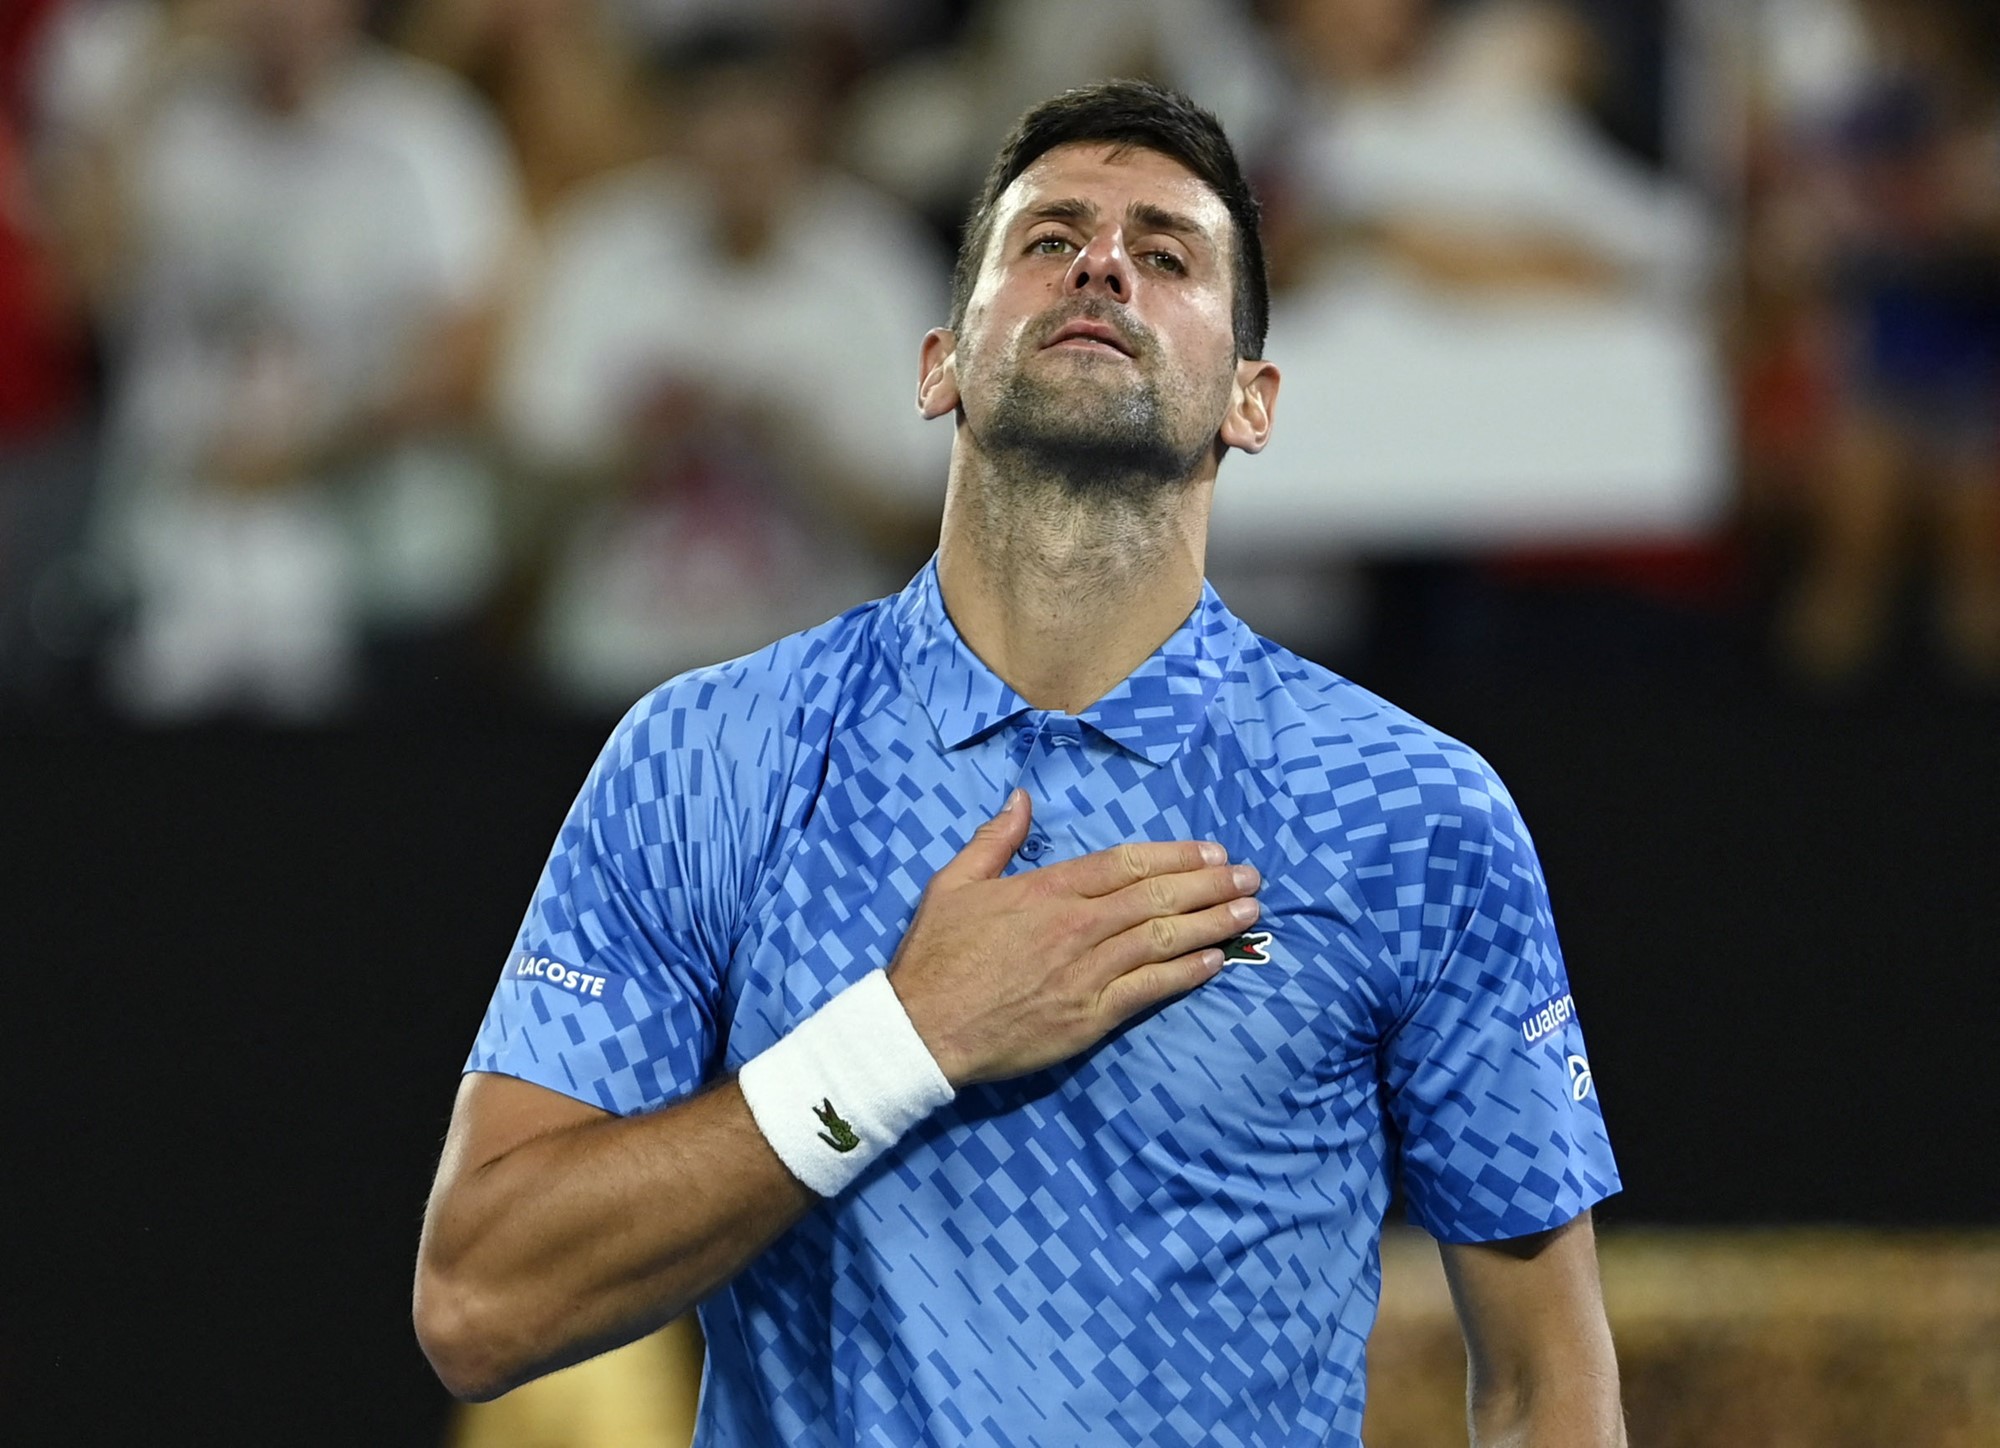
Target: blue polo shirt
column 1171, row 1239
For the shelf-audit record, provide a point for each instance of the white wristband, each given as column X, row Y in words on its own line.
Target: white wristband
column 844, row 1086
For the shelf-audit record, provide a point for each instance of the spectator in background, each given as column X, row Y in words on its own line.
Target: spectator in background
column 713, row 377
column 924, row 128
column 1895, row 212
column 311, row 231
column 843, row 31
column 556, row 76
column 1499, row 310
column 44, row 448
column 1457, row 154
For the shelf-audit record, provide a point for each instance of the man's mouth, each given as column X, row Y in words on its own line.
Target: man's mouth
column 1087, row 336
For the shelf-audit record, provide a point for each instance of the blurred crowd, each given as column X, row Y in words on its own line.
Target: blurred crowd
column 369, row 359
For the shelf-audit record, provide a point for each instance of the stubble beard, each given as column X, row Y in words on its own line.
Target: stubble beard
column 1098, row 430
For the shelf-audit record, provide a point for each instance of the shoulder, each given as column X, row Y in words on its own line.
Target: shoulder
column 706, row 778
column 761, row 710
column 1350, row 752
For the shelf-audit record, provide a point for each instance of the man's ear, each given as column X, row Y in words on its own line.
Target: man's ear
column 1247, row 424
column 937, row 381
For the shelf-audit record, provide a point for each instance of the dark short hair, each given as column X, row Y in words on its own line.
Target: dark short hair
column 1129, row 114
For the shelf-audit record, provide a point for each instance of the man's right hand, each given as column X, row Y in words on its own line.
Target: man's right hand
column 1002, row 976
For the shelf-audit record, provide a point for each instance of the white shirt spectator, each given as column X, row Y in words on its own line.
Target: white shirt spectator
column 288, row 266
column 821, row 329
column 926, row 127
column 1472, row 410
column 1478, row 139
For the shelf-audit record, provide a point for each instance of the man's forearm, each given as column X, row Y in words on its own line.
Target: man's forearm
column 1542, row 1371
column 592, row 1233
column 1576, row 1411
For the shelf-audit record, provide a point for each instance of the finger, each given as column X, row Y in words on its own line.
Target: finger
column 1177, row 894
column 1128, row 864
column 992, row 845
column 1161, row 980
column 1163, row 937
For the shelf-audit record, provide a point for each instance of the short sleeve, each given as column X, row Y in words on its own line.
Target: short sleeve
column 1488, row 1082
column 613, row 991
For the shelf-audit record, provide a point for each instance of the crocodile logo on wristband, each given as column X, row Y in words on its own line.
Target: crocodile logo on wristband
column 838, row 1134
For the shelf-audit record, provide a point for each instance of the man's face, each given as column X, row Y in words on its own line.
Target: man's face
column 1098, row 342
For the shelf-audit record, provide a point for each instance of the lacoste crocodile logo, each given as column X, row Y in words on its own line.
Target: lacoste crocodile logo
column 838, row 1134
column 1249, row 948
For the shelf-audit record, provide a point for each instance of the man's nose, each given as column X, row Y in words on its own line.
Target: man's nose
column 1103, row 265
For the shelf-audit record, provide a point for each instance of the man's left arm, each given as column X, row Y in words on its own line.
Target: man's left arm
column 1540, row 1365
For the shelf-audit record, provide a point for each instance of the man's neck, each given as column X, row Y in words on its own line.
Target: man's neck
column 1061, row 597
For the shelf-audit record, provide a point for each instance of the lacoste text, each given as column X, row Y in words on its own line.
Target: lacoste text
column 577, row 982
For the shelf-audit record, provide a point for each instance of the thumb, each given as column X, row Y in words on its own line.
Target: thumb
column 992, row 845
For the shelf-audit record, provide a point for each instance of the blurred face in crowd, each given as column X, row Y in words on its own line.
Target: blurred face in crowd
column 1951, row 52
column 1534, row 46
column 1356, row 39
column 1098, row 343
column 292, row 44
column 1900, row 26
column 529, row 20
column 748, row 130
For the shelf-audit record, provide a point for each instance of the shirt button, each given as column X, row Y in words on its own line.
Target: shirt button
column 1034, row 847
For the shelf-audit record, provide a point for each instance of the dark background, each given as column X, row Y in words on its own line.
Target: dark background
column 246, row 966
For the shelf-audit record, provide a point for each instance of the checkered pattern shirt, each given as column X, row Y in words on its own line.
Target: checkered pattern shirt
column 1172, row 1238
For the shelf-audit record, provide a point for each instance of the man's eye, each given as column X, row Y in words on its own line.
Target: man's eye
column 1047, row 245
column 1167, row 261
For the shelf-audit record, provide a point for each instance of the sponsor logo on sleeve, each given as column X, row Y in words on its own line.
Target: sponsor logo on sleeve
column 551, row 971
column 1579, row 1078
column 1551, row 1015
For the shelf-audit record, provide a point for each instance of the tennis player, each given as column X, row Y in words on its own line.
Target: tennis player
column 1006, row 1010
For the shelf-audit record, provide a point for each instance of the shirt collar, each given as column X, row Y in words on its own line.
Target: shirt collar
column 1153, row 712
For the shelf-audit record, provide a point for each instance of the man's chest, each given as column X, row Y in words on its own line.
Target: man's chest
column 1273, row 1059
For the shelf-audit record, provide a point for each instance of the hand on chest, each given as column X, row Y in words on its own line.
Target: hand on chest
column 1262, row 1057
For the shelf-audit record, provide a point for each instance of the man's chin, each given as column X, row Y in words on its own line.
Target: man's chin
column 1089, row 422
column 1099, row 382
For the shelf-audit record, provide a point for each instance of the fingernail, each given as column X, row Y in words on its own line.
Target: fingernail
column 1243, row 910
column 1245, row 877
column 1212, row 853
column 1014, row 799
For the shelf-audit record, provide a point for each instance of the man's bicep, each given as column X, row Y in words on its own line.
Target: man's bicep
column 1530, row 1306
